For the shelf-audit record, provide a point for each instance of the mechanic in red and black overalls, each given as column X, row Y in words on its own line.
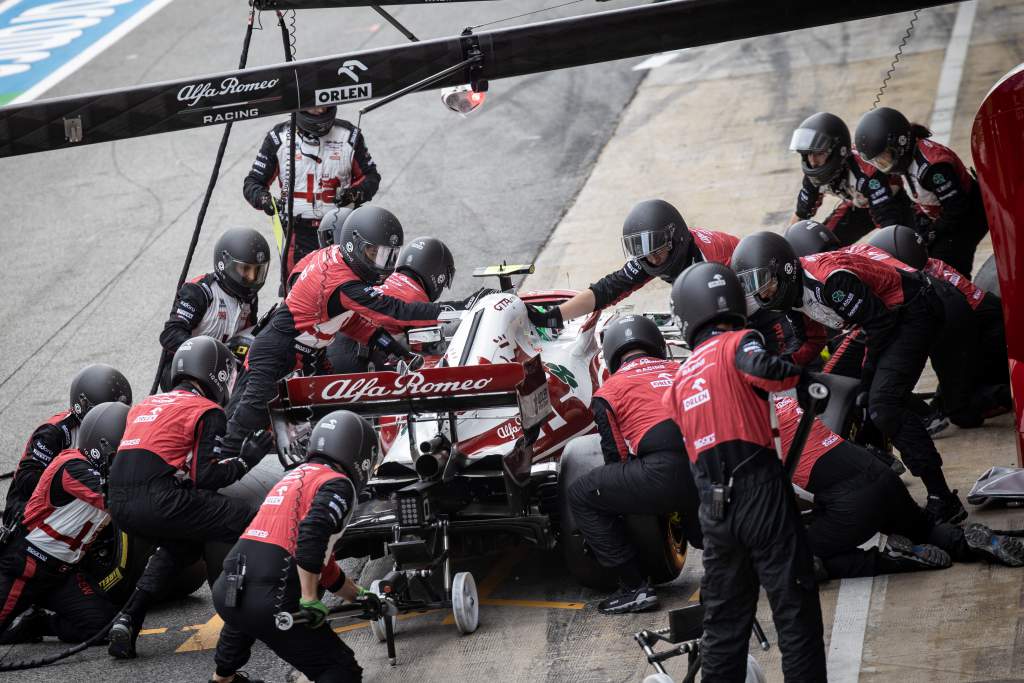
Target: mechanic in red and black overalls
column 66, row 513
column 950, row 215
column 857, row 495
column 332, row 168
column 753, row 535
column 337, row 284
column 645, row 471
column 93, row 385
column 902, row 316
column 657, row 243
column 164, row 479
column 869, row 199
column 284, row 560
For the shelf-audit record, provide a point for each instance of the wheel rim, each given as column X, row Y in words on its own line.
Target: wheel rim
column 675, row 543
column 465, row 605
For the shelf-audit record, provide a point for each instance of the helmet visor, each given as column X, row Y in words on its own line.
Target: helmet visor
column 807, row 140
column 759, row 283
column 884, row 160
column 642, row 244
column 249, row 275
column 381, row 257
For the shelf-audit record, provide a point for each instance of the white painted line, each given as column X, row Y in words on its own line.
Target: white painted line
column 654, row 61
column 952, row 72
column 846, row 645
column 7, row 4
column 87, row 54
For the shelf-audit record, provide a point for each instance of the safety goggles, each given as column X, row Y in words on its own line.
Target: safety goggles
column 806, row 140
column 641, row 244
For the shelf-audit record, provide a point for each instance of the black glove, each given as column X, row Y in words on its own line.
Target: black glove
column 255, row 447
column 924, row 227
column 267, row 203
column 545, row 316
column 803, row 395
column 349, row 195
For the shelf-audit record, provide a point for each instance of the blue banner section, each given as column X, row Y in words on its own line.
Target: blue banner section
column 41, row 40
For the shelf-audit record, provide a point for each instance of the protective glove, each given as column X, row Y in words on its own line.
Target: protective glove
column 925, row 229
column 350, row 195
column 255, row 447
column 314, row 611
column 266, row 201
column 545, row 316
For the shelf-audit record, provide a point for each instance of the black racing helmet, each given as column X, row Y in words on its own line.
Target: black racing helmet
column 371, row 238
column 349, row 443
column 885, row 139
column 96, row 384
column 652, row 226
column 241, row 259
column 431, row 262
column 629, row 333
column 207, row 362
column 102, row 429
column 316, row 125
column 822, row 132
column 329, row 231
column 705, row 293
column 902, row 243
column 811, row 237
column 769, row 270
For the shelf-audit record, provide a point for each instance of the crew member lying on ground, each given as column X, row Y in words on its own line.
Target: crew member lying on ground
column 284, row 560
column 646, row 471
column 857, row 495
column 41, row 590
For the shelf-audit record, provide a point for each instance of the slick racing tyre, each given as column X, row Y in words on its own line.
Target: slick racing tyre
column 662, row 545
column 116, row 561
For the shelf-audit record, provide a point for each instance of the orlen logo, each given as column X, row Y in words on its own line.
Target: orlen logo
column 196, row 92
column 702, row 395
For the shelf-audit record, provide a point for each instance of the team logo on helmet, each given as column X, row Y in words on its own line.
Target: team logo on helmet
column 222, row 376
column 393, row 239
column 788, row 268
column 441, row 278
column 716, row 281
column 722, row 304
column 260, row 257
column 77, row 408
column 629, row 333
column 349, row 247
column 94, row 453
column 902, row 139
column 220, row 265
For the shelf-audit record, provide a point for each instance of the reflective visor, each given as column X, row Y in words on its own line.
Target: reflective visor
column 755, row 280
column 382, row 258
column 641, row 244
column 251, row 275
column 883, row 161
column 809, row 140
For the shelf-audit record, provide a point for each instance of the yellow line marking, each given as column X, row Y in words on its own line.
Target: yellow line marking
column 205, row 636
column 351, row 627
column 542, row 604
column 152, row 631
column 499, row 573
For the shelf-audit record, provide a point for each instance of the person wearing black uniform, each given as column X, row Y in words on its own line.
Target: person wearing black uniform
column 285, row 559
column 657, row 243
column 338, row 283
column 902, row 318
column 332, row 168
column 831, row 165
column 164, row 479
column 856, row 495
column 39, row 576
column 950, row 215
column 221, row 303
column 753, row 535
column 91, row 386
column 645, row 471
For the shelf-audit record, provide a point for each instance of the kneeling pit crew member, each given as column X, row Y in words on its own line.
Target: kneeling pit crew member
column 753, row 534
column 164, row 479
column 91, row 386
column 284, row 560
column 64, row 516
column 902, row 318
column 645, row 471
column 857, row 495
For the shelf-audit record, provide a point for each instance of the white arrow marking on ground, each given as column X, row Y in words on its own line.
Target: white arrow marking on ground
column 660, row 59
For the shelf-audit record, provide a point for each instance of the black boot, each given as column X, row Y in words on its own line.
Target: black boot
column 626, row 599
column 946, row 508
column 28, row 627
column 1004, row 549
column 242, row 677
column 123, row 635
column 911, row 556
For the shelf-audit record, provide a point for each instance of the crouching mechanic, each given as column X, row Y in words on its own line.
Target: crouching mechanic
column 164, row 479
column 857, row 495
column 284, row 560
column 64, row 516
column 93, row 385
column 752, row 530
column 221, row 303
column 645, row 469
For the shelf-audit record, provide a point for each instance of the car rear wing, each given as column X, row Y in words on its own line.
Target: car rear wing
column 431, row 390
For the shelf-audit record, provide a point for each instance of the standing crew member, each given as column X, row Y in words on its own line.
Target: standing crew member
column 93, row 385
column 167, row 470
column 901, row 316
column 868, row 198
column 951, row 218
column 65, row 515
column 332, row 168
column 221, row 303
column 337, row 284
column 752, row 529
column 657, row 243
column 645, row 471
column 856, row 495
column 284, row 560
